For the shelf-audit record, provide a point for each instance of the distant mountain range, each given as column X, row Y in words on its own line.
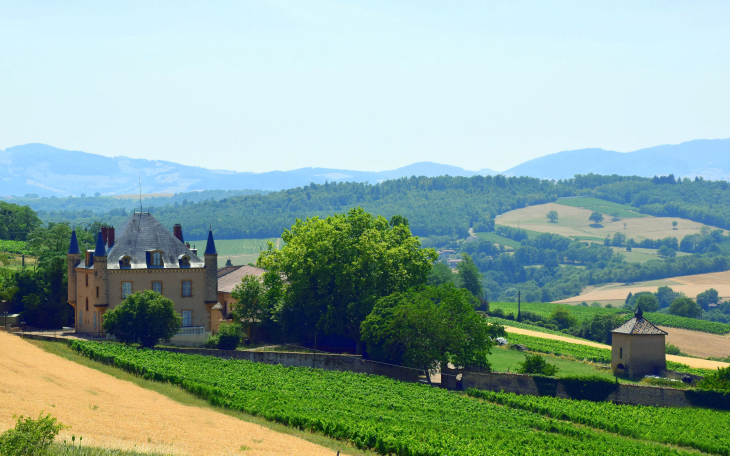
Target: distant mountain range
column 709, row 158
column 49, row 171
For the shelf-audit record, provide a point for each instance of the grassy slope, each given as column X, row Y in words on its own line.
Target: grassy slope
column 177, row 394
column 603, row 206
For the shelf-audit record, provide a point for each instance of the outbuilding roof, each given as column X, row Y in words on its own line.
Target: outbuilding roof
column 231, row 276
column 638, row 325
column 142, row 233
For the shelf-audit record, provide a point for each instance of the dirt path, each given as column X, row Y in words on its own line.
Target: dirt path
column 698, row 343
column 113, row 413
column 691, row 362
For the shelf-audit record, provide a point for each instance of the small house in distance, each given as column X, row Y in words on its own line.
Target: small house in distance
column 638, row 348
column 228, row 278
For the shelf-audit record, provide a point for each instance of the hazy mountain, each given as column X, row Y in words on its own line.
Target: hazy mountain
column 709, row 158
column 49, row 171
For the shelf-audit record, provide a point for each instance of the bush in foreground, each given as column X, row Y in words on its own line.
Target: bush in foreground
column 30, row 437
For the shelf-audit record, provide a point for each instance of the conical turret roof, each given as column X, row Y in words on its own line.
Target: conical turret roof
column 73, row 247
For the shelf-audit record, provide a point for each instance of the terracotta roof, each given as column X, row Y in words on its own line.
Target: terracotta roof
column 228, row 281
column 638, row 325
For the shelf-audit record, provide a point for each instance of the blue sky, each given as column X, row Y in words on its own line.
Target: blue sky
column 257, row 86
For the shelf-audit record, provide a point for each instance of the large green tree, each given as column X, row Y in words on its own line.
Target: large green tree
column 469, row 276
column 427, row 328
column 337, row 268
column 708, row 297
column 685, row 307
column 17, row 222
column 145, row 317
column 257, row 301
column 596, row 217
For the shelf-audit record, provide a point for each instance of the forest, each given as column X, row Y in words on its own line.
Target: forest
column 444, row 206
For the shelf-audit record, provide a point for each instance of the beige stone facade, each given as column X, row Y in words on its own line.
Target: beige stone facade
column 638, row 348
column 145, row 256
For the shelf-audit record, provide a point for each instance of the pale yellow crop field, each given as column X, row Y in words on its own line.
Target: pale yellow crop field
column 691, row 286
column 573, row 221
column 113, row 413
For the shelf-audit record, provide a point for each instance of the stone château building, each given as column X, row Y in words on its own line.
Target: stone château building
column 638, row 348
column 145, row 256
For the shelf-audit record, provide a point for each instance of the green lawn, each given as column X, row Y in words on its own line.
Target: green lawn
column 495, row 238
column 603, row 206
column 505, row 360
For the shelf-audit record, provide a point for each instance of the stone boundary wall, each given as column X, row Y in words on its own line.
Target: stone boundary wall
column 625, row 394
column 317, row 361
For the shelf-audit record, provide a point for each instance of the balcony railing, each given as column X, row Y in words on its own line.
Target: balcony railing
column 191, row 331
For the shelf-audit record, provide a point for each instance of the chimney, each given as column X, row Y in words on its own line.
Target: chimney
column 110, row 236
column 177, row 231
column 104, row 233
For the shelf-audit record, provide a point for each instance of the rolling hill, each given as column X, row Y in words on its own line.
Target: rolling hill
column 49, row 171
column 709, row 158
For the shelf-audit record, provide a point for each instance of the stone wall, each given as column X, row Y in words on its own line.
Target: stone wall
column 317, row 361
column 625, row 394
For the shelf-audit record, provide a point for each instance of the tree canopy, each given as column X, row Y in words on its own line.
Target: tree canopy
column 337, row 268
column 685, row 307
column 144, row 317
column 596, row 217
column 552, row 216
column 428, row 327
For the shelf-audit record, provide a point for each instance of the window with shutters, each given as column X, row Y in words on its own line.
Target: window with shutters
column 187, row 317
column 187, row 288
column 157, row 259
column 126, row 289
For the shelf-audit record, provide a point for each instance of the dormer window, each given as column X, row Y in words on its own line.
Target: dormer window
column 154, row 259
column 125, row 262
column 184, row 261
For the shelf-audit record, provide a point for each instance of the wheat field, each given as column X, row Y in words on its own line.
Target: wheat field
column 113, row 413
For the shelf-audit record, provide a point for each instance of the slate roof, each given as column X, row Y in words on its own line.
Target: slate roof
column 73, row 247
column 231, row 276
column 638, row 325
column 141, row 233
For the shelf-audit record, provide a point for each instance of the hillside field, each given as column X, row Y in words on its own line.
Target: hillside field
column 240, row 251
column 615, row 293
column 113, row 413
column 573, row 221
column 400, row 418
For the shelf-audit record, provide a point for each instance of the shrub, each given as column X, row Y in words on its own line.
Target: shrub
column 536, row 364
column 609, row 306
column 595, row 304
column 562, row 318
column 145, row 317
column 30, row 437
column 229, row 336
column 672, row 350
column 718, row 380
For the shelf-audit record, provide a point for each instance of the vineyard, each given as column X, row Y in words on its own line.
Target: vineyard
column 544, row 309
column 391, row 417
column 702, row 429
column 584, row 352
column 582, row 313
column 693, row 324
